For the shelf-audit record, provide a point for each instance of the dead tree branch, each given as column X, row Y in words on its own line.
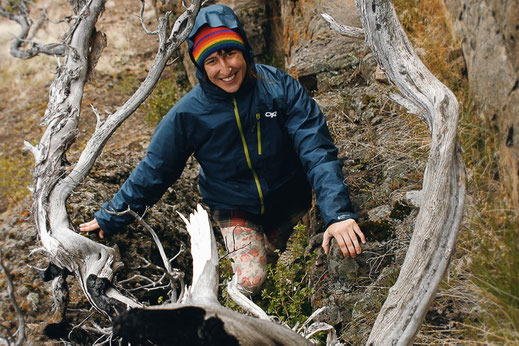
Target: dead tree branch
column 19, row 314
column 443, row 191
column 20, row 14
column 344, row 30
column 92, row 263
column 204, row 288
column 173, row 274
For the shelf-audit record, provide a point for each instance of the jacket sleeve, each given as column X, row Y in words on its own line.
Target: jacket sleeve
column 311, row 139
column 164, row 161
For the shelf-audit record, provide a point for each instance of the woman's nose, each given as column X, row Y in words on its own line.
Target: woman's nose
column 224, row 67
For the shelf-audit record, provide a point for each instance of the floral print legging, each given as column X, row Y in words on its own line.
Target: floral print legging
column 248, row 248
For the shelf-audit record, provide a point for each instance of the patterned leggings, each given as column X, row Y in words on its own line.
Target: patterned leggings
column 251, row 239
column 251, row 245
column 247, row 249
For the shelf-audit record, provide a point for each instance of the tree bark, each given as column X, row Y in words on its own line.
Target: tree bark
column 92, row 263
column 443, row 190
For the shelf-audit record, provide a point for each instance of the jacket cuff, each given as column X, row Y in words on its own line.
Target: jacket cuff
column 104, row 220
column 342, row 217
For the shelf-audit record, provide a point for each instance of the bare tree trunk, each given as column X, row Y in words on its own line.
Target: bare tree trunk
column 443, row 191
column 442, row 197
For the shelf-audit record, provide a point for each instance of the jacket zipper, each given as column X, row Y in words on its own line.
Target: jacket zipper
column 249, row 163
column 259, row 132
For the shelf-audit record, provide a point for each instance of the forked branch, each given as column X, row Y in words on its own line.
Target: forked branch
column 92, row 263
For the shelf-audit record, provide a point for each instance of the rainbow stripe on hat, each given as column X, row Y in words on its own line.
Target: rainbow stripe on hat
column 209, row 40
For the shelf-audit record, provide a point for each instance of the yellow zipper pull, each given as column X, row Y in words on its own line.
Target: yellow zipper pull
column 259, row 132
column 247, row 157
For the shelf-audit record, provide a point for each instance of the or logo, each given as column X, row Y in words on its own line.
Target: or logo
column 271, row 114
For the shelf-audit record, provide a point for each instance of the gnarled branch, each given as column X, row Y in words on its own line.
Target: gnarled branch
column 92, row 263
column 20, row 15
column 443, row 192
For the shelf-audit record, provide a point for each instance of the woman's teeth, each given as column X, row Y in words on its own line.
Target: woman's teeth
column 229, row 78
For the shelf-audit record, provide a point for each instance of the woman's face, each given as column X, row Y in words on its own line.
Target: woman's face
column 226, row 70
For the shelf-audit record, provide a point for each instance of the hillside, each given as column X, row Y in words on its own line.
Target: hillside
column 382, row 148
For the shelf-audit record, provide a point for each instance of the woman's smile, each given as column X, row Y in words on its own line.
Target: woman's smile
column 226, row 69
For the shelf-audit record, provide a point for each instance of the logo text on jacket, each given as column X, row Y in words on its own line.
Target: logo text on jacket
column 271, row 114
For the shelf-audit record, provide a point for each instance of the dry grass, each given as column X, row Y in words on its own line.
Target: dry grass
column 479, row 300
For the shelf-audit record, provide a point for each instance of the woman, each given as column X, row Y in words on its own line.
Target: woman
column 259, row 139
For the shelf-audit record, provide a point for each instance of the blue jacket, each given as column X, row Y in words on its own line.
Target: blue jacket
column 249, row 144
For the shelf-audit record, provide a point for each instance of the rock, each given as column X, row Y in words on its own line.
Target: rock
column 380, row 212
column 34, row 300
column 489, row 32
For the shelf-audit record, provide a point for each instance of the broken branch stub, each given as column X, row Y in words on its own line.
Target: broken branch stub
column 443, row 191
column 199, row 318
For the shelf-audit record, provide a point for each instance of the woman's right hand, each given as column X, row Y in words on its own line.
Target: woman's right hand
column 91, row 226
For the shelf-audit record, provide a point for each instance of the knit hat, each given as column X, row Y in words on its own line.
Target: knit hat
column 209, row 40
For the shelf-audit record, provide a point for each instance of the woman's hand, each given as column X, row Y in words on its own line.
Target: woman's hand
column 91, row 226
column 345, row 233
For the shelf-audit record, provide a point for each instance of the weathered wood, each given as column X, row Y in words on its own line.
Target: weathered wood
column 204, row 288
column 91, row 262
column 21, row 16
column 238, row 328
column 443, row 190
column 344, row 30
column 199, row 318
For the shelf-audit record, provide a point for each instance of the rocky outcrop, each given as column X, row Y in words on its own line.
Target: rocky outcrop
column 489, row 31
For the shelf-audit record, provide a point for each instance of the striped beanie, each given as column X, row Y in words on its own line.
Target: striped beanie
column 209, row 40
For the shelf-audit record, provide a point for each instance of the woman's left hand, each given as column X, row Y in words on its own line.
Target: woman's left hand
column 346, row 233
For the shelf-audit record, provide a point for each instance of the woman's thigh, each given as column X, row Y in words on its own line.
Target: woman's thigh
column 246, row 248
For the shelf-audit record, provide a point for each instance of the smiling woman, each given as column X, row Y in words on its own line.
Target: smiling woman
column 262, row 144
column 226, row 69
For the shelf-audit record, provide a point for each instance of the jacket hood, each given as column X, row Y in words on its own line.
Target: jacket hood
column 216, row 16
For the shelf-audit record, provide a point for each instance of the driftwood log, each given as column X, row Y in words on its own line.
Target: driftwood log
column 442, row 196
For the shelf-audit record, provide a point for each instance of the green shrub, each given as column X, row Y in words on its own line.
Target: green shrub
column 286, row 293
column 164, row 96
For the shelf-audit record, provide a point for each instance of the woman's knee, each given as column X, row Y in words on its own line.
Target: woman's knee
column 251, row 283
column 247, row 251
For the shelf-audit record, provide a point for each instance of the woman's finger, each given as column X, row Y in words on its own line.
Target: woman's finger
column 357, row 230
column 89, row 226
column 326, row 241
column 354, row 240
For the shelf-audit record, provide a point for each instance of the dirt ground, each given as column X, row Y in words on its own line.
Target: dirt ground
column 378, row 148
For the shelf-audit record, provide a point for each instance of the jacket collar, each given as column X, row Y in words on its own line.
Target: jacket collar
column 213, row 92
